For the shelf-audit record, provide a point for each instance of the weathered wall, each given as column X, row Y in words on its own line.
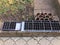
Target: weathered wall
column 43, row 6
column 46, row 6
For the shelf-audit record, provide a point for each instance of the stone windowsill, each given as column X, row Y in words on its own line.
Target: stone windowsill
column 24, row 34
column 27, row 34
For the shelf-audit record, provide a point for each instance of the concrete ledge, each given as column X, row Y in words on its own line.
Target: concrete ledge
column 27, row 34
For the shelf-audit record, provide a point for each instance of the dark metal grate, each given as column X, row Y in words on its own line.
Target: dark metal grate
column 55, row 25
column 42, row 25
column 12, row 25
column 6, row 25
column 9, row 25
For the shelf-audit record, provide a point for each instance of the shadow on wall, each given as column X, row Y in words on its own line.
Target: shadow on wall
column 57, row 7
